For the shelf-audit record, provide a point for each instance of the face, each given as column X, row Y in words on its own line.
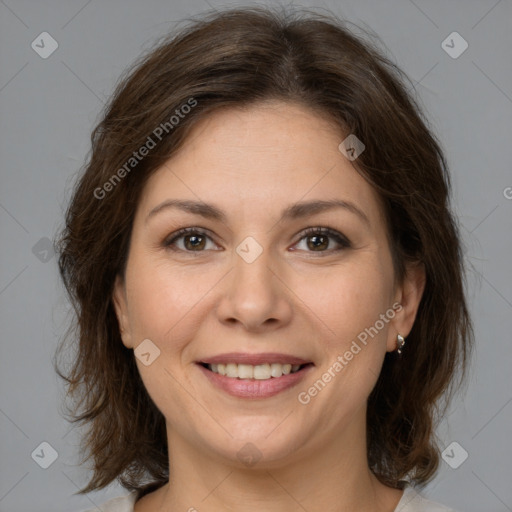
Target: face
column 294, row 299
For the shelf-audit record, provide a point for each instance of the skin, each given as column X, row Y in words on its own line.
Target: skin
column 294, row 298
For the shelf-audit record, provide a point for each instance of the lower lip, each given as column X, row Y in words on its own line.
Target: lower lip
column 253, row 388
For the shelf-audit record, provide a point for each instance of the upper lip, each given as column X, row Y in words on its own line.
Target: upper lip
column 253, row 359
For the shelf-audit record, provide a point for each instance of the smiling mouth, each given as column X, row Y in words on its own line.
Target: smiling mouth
column 264, row 371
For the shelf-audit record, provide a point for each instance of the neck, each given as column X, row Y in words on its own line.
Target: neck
column 332, row 477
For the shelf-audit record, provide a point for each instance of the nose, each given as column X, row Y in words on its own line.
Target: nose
column 255, row 295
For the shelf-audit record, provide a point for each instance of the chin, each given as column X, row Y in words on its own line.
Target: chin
column 260, row 443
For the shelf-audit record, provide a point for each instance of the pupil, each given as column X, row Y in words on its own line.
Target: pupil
column 316, row 238
column 195, row 241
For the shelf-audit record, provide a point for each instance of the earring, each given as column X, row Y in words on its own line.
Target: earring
column 400, row 343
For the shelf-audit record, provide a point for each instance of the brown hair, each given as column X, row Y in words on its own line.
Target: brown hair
column 238, row 58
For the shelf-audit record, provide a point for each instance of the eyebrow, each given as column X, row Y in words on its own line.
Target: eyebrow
column 292, row 212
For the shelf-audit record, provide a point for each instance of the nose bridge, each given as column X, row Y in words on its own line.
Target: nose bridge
column 252, row 277
column 254, row 295
column 252, row 269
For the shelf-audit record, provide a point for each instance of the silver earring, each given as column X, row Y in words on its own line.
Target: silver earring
column 400, row 343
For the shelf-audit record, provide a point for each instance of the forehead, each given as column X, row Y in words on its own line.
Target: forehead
column 253, row 159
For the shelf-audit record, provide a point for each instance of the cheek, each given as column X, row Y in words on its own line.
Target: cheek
column 361, row 314
column 347, row 299
column 349, row 308
column 164, row 300
column 164, row 304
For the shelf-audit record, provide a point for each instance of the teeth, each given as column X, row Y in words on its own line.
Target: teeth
column 258, row 372
column 276, row 370
column 262, row 372
column 246, row 371
column 231, row 370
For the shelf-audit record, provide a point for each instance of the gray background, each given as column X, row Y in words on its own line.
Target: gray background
column 48, row 109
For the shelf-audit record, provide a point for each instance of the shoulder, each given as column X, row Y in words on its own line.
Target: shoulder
column 413, row 501
column 119, row 504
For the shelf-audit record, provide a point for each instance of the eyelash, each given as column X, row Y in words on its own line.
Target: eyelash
column 325, row 231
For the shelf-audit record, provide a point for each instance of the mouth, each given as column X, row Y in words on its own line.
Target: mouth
column 254, row 376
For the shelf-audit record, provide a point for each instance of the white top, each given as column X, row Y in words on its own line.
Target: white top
column 412, row 501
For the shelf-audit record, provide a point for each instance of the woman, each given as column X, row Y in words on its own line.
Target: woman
column 267, row 276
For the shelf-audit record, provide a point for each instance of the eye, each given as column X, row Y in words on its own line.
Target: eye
column 320, row 240
column 194, row 240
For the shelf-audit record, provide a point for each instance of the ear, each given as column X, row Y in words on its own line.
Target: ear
column 408, row 295
column 121, row 309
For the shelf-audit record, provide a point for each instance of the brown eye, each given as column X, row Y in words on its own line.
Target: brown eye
column 320, row 240
column 189, row 240
column 194, row 242
column 316, row 242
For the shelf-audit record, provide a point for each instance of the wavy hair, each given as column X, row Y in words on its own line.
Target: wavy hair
column 236, row 58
